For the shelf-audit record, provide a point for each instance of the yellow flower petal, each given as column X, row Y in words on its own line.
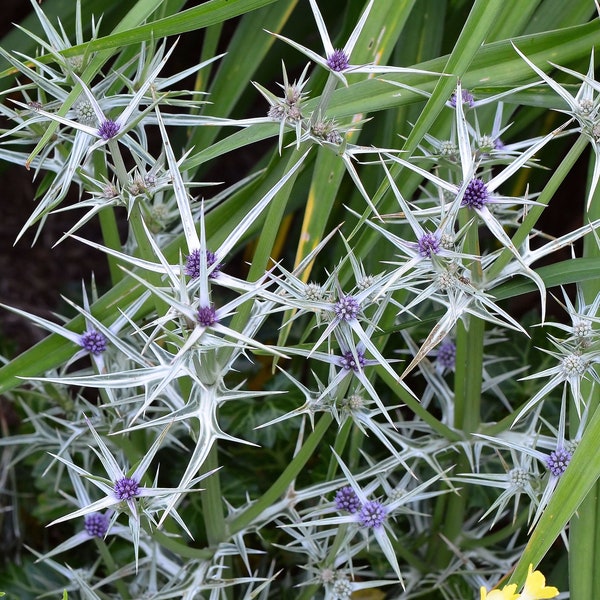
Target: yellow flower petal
column 506, row 593
column 535, row 587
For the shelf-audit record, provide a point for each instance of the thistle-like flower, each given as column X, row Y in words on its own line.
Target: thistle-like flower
column 338, row 61
column 570, row 368
column 93, row 341
column 192, row 264
column 123, row 490
column 477, row 195
column 108, row 128
column 446, row 356
column 346, row 308
column 466, row 97
column 558, row 460
column 584, row 106
column 96, row 524
column 287, row 109
column 97, row 337
column 347, row 500
column 368, row 515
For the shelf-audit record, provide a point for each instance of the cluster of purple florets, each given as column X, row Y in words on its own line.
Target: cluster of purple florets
column 446, row 354
column 192, row 263
column 370, row 514
column 96, row 524
column 207, row 316
column 108, row 129
column 338, row 61
column 347, row 500
column 346, row 308
column 349, row 362
column 127, row 488
column 93, row 341
column 428, row 244
column 467, row 98
column 476, row 194
column 558, row 461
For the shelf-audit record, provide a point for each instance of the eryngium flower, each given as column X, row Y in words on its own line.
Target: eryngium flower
column 467, row 98
column 346, row 308
column 558, row 461
column 96, row 524
column 346, row 499
column 108, row 129
column 476, row 195
column 574, row 365
column 428, row 244
column 348, row 362
column 342, row 588
column 192, row 264
column 372, row 514
column 207, row 316
column 93, row 341
column 127, row 488
column 338, row 61
column 446, row 354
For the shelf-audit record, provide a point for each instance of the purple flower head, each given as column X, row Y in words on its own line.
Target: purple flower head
column 467, row 98
column 499, row 144
column 192, row 264
column 127, row 488
column 446, row 354
column 338, row 61
column 476, row 194
column 207, row 316
column 558, row 461
column 108, row 129
column 346, row 308
column 346, row 499
column 96, row 524
column 429, row 244
column 93, row 341
column 372, row 514
column 348, row 362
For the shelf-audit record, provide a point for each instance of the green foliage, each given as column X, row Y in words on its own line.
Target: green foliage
column 240, row 397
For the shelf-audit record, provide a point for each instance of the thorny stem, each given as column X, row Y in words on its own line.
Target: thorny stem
column 212, row 504
column 324, row 99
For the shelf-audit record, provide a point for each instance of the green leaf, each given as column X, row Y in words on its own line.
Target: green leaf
column 192, row 19
column 561, row 273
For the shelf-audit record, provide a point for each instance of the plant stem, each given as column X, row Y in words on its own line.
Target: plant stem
column 325, row 98
column 108, row 224
column 111, row 567
column 212, row 504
